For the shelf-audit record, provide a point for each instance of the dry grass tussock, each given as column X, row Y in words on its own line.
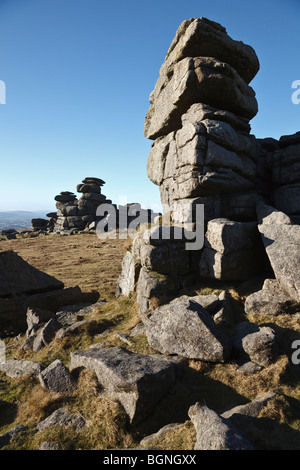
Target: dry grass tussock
column 94, row 264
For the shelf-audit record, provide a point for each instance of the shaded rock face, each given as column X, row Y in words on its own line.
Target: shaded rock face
column 24, row 287
column 18, row 277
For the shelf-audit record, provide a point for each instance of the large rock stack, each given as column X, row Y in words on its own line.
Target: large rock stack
column 201, row 106
column 91, row 198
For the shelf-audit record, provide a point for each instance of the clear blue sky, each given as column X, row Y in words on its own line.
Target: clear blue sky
column 78, row 75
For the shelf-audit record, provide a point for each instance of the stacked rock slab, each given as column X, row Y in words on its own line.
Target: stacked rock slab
column 67, row 211
column 91, row 198
column 76, row 213
column 199, row 116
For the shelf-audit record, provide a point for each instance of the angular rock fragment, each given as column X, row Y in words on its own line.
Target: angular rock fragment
column 259, row 344
column 57, row 378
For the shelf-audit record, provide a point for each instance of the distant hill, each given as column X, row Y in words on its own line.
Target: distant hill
column 19, row 219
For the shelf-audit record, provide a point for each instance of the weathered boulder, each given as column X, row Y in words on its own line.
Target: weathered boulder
column 185, row 328
column 259, row 344
column 203, row 37
column 6, row 437
column 57, row 378
column 197, row 79
column 215, row 432
column 36, row 316
column 137, row 381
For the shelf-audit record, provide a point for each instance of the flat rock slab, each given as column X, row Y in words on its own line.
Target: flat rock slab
column 61, row 417
column 15, row 368
column 185, row 328
column 19, row 277
column 138, row 381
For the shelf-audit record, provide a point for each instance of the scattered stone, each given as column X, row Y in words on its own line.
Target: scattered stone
column 34, row 318
column 57, row 378
column 159, row 435
column 137, row 381
column 19, row 368
column 123, row 338
column 75, row 328
column 130, row 270
column 139, row 329
column 48, row 445
column 259, row 344
column 249, row 368
column 61, row 417
column 46, row 334
column 6, row 438
column 215, row 432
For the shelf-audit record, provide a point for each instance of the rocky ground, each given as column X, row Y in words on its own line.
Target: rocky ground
column 61, row 393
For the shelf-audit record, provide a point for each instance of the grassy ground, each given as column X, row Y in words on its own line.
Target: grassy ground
column 93, row 264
